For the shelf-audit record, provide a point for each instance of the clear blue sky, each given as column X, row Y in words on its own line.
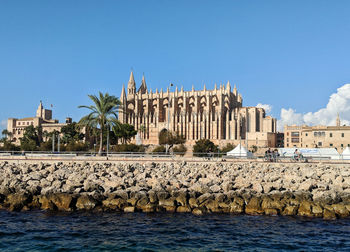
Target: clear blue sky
column 283, row 53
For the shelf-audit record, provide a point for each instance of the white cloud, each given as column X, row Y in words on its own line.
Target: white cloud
column 339, row 102
column 267, row 107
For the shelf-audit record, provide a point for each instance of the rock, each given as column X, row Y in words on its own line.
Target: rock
column 307, row 186
column 142, row 202
column 170, row 209
column 290, row 210
column 212, row 206
column 114, row 204
column 257, row 187
column 316, row 210
column 305, row 209
column 182, row 198
column 204, row 197
column 167, row 202
column 193, row 202
column 329, row 215
column 129, row 209
column 340, row 210
column 197, row 211
column 132, row 201
column 86, row 202
column 269, row 203
column 46, row 203
column 215, row 188
column 183, row 209
column 15, row 202
column 62, row 201
column 254, row 207
column 270, row 211
column 149, row 208
column 152, row 196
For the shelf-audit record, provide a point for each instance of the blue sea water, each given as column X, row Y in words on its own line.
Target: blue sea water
column 52, row 231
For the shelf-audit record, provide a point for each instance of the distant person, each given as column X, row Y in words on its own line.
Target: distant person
column 296, row 154
column 275, row 155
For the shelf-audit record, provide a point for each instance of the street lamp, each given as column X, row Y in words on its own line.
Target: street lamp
column 108, row 129
column 240, row 133
column 169, row 102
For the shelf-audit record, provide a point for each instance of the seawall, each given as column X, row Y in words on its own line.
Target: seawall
column 313, row 190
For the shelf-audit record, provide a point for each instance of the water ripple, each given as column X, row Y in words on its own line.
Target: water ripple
column 50, row 231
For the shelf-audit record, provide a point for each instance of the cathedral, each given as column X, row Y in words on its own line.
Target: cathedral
column 216, row 114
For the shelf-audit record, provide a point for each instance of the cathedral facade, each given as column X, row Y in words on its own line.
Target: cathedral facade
column 216, row 114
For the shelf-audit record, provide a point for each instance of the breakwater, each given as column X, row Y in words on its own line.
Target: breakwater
column 313, row 190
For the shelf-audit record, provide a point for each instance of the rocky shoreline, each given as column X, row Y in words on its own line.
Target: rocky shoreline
column 312, row 190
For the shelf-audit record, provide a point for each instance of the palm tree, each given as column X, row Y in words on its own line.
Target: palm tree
column 7, row 134
column 102, row 114
column 142, row 130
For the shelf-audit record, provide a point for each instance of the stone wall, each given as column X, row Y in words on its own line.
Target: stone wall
column 314, row 190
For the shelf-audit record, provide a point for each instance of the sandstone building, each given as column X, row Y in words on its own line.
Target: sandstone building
column 42, row 119
column 317, row 136
column 216, row 114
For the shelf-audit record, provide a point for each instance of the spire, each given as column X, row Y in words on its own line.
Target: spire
column 228, row 86
column 204, row 88
column 39, row 111
column 131, row 84
column 192, row 87
column 122, row 95
column 41, row 105
column 215, row 86
column 235, row 90
column 338, row 120
column 143, row 87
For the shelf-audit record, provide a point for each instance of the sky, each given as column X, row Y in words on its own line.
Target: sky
column 291, row 57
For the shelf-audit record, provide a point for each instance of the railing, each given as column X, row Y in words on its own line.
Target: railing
column 128, row 156
column 120, row 155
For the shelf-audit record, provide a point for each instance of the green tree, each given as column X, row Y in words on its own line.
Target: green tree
column 31, row 138
column 102, row 113
column 203, row 147
column 180, row 149
column 71, row 133
column 8, row 146
column 124, row 131
column 170, row 138
column 7, row 134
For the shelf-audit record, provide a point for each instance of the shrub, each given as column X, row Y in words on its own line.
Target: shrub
column 8, row 146
column 75, row 147
column 203, row 147
column 128, row 148
column 254, row 148
column 46, row 146
column 159, row 149
column 171, row 138
column 28, row 145
column 180, row 150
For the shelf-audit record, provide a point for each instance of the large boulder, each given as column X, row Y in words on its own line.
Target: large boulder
column 62, row 201
column 254, row 206
column 16, row 201
column 86, row 202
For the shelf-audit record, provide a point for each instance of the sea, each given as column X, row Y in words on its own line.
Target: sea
column 57, row 231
